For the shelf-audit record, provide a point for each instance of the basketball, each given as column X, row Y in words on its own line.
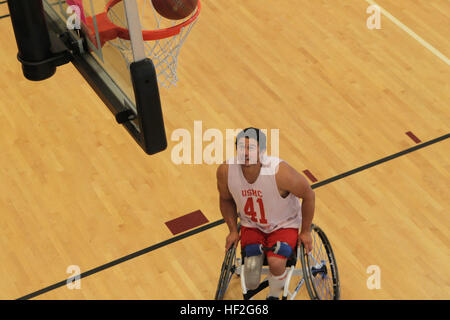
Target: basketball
column 175, row 9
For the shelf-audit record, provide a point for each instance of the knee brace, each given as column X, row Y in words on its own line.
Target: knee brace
column 283, row 249
column 254, row 259
column 253, row 250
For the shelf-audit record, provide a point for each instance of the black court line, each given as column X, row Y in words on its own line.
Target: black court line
column 221, row 221
column 6, row 15
column 123, row 259
column 377, row 162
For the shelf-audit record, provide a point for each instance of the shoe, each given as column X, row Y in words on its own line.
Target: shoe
column 272, row 298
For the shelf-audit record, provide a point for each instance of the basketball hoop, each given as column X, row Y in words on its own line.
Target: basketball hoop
column 162, row 37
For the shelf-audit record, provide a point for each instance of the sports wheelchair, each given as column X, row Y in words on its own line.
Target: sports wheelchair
column 318, row 271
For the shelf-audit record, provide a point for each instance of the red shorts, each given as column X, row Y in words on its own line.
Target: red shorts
column 254, row 235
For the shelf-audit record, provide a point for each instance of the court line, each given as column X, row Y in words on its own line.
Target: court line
column 380, row 161
column 123, row 259
column 221, row 221
column 413, row 137
column 402, row 26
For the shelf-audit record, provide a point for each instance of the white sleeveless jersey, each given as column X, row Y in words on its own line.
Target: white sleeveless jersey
column 260, row 204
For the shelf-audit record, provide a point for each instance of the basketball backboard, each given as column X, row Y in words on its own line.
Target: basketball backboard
column 81, row 18
column 118, row 70
column 105, row 41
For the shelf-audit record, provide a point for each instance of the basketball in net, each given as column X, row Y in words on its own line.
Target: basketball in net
column 163, row 36
column 175, row 9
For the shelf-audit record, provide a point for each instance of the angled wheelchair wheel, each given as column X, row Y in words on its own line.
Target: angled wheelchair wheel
column 320, row 268
column 226, row 273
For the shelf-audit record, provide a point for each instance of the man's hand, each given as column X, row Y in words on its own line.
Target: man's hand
column 305, row 238
column 232, row 239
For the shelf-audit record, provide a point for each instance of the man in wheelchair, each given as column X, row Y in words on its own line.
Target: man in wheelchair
column 264, row 192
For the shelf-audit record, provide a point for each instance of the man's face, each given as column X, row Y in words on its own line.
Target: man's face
column 247, row 151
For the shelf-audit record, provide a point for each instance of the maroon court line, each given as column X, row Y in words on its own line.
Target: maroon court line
column 186, row 222
column 310, row 175
column 413, row 137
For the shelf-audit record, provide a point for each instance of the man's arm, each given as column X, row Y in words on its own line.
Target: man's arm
column 290, row 180
column 227, row 205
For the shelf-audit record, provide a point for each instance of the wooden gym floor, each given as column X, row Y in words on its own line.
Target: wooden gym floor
column 76, row 190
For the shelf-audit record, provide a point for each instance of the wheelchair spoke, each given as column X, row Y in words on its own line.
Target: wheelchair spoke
column 320, row 269
column 324, row 285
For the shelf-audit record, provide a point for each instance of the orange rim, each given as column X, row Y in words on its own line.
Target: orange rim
column 150, row 35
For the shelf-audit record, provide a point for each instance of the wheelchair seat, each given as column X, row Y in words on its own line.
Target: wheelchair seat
column 317, row 270
column 291, row 261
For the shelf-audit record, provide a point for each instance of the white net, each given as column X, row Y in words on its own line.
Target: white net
column 163, row 52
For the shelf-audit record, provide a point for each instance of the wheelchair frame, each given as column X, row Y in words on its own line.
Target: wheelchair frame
column 308, row 273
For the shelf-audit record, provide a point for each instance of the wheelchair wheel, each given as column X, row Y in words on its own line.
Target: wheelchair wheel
column 228, row 269
column 320, row 268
